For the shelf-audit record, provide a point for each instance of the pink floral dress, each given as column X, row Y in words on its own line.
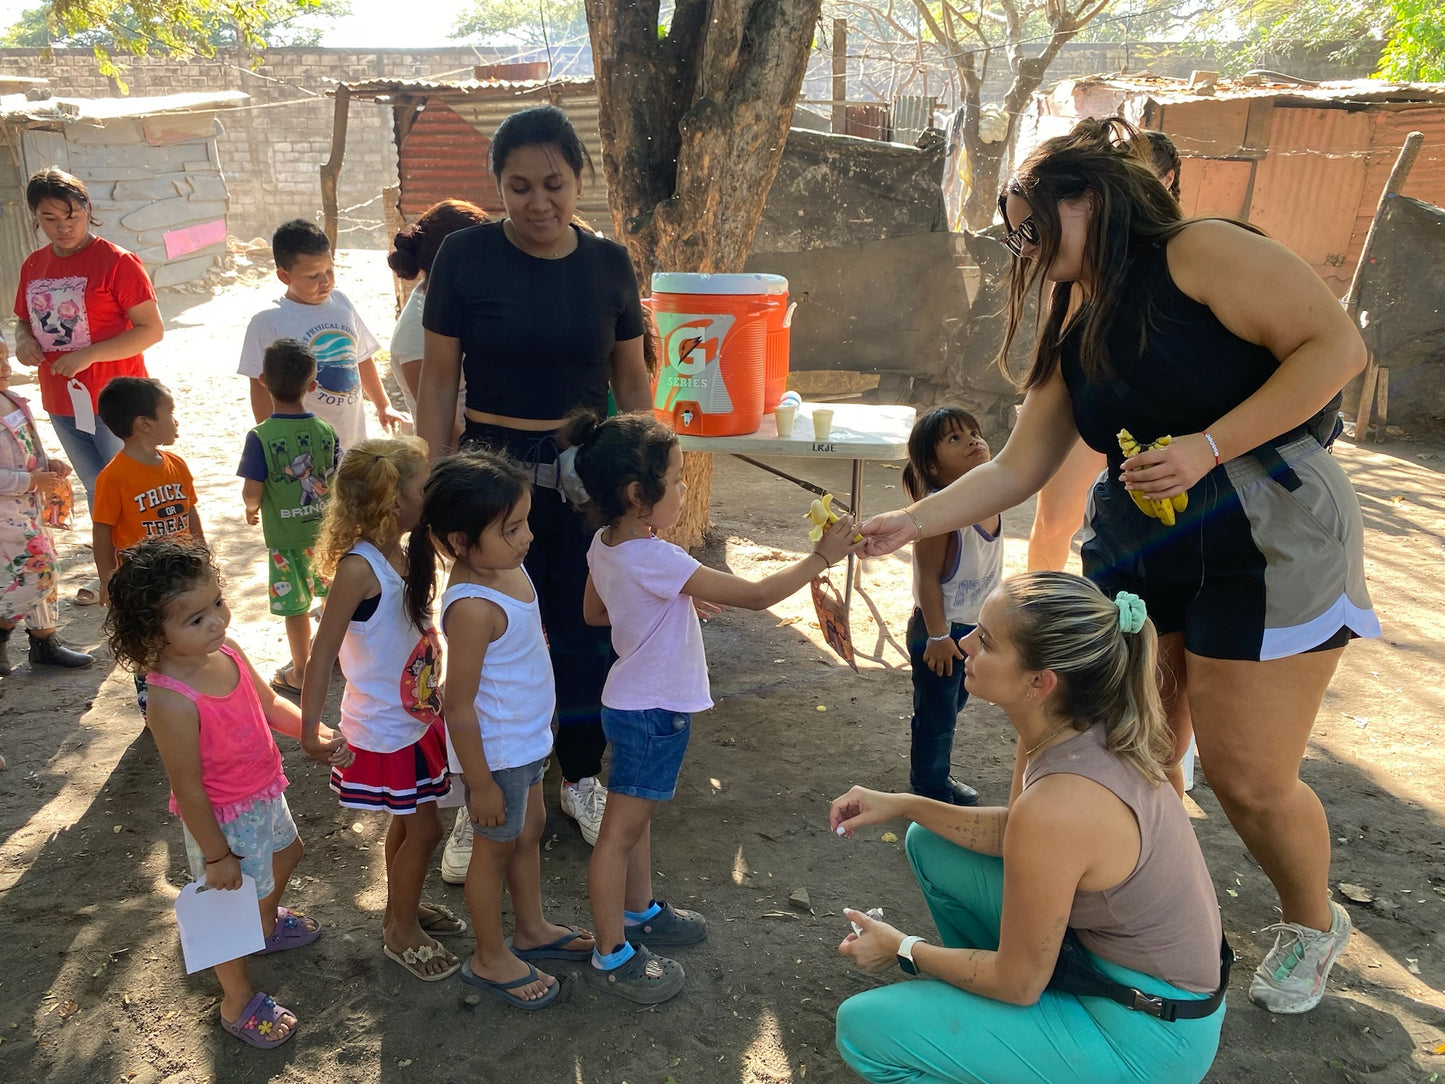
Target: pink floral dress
column 27, row 552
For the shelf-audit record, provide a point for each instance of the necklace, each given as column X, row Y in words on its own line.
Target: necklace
column 1052, row 734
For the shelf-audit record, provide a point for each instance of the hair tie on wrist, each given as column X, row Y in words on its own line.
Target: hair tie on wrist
column 229, row 854
column 1131, row 611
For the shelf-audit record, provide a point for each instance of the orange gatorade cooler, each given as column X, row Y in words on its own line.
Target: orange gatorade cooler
column 780, row 324
column 714, row 346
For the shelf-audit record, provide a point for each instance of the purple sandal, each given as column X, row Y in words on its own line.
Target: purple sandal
column 256, row 1026
column 293, row 930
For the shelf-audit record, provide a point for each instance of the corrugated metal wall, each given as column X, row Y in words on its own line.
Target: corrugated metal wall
column 1311, row 184
column 1427, row 177
column 444, row 154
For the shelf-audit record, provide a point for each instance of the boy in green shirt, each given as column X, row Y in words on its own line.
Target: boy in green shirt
column 287, row 465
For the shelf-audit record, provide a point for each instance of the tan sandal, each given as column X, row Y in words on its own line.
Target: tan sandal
column 416, row 959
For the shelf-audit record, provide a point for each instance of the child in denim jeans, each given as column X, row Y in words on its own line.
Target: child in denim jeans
column 646, row 589
column 952, row 575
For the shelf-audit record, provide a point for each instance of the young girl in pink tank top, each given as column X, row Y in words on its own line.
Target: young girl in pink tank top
column 391, row 709
column 211, row 715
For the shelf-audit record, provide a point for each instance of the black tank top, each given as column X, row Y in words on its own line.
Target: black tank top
column 1176, row 368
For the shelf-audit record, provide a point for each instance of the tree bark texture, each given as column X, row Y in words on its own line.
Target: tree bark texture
column 693, row 124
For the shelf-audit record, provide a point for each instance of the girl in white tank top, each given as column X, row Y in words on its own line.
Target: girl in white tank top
column 499, row 700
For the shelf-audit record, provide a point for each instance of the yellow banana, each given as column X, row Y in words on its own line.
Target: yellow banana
column 822, row 515
column 1162, row 510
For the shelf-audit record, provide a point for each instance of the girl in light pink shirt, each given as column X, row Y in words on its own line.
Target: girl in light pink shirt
column 646, row 589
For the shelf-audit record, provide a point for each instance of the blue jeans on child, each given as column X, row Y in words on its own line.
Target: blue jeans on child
column 88, row 453
column 927, row 1030
column 647, row 749
column 936, row 704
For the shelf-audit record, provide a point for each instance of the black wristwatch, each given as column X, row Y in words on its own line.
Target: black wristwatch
column 905, row 954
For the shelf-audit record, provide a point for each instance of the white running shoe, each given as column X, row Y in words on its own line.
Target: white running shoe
column 457, row 854
column 1292, row 977
column 585, row 801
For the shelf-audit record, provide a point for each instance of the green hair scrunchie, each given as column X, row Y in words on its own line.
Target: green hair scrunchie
column 1131, row 611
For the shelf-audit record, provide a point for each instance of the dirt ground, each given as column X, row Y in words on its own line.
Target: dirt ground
column 92, row 988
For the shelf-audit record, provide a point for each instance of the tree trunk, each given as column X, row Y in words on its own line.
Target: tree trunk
column 693, row 125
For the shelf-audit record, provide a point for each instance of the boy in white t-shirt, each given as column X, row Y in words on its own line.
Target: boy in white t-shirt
column 324, row 321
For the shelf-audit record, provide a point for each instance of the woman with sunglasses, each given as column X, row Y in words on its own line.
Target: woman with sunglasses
column 1208, row 333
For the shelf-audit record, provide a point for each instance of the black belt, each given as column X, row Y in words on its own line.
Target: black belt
column 1075, row 973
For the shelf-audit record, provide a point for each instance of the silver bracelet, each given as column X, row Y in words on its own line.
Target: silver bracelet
column 940, row 639
column 917, row 526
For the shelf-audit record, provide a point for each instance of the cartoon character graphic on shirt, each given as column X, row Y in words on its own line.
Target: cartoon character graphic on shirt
column 57, row 313
column 421, row 679
column 336, row 373
column 312, row 488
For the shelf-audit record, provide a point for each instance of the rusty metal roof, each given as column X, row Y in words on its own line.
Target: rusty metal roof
column 16, row 107
column 1364, row 91
column 381, row 90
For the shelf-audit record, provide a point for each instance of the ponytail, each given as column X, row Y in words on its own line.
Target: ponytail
column 421, row 575
column 1107, row 674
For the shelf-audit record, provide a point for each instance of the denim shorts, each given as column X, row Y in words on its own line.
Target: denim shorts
column 255, row 835
column 515, row 783
column 647, row 749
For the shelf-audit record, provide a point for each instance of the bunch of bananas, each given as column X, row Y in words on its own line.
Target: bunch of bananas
column 1160, row 510
column 822, row 514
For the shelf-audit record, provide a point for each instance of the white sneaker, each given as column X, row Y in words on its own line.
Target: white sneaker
column 585, row 801
column 457, row 854
column 1292, row 977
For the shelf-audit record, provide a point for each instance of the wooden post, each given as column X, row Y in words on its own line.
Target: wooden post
column 331, row 170
column 1393, row 184
column 840, row 76
column 1382, row 401
column 1367, row 399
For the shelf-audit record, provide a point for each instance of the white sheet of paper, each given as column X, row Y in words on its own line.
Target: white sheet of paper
column 217, row 925
column 80, row 404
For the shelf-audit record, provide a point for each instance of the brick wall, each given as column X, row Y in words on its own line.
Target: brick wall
column 272, row 152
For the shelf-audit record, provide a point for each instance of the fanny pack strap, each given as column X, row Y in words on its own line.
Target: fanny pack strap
column 1075, row 973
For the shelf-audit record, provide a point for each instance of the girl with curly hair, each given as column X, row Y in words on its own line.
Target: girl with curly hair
column 391, row 709
column 211, row 715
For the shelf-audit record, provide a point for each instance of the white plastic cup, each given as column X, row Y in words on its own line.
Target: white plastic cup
column 822, row 422
column 785, row 416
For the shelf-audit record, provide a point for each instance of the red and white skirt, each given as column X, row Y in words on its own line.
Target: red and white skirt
column 396, row 782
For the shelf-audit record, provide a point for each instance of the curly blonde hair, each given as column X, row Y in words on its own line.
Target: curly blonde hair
column 364, row 493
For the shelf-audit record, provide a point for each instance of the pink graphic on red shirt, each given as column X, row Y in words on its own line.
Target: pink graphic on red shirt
column 421, row 678
column 57, row 313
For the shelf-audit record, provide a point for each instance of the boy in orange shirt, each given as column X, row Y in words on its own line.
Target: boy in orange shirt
column 143, row 492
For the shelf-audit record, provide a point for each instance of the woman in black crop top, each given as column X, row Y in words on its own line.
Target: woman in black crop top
column 1206, row 332
column 542, row 318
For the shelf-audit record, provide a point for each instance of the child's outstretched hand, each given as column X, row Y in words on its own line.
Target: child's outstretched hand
column 487, row 805
column 940, row 655
column 837, row 541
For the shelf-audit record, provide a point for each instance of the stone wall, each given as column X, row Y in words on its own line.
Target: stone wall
column 272, row 150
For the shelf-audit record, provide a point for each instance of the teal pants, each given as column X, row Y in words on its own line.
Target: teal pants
column 928, row 1031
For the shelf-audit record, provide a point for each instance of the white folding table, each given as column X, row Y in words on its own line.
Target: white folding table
column 860, row 432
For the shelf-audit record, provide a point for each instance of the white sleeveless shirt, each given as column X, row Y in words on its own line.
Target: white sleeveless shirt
column 976, row 570
column 516, row 697
column 393, row 671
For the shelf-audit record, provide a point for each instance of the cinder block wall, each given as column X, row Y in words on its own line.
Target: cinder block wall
column 272, row 151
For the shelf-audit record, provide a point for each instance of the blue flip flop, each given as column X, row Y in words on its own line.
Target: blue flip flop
column 503, row 990
column 554, row 950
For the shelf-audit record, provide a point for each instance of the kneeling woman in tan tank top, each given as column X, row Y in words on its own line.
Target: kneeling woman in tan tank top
column 1089, row 881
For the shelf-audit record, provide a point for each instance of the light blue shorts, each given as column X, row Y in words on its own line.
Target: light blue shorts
column 255, row 835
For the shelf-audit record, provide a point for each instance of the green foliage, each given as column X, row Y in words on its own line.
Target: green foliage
column 173, row 26
column 1416, row 48
column 533, row 24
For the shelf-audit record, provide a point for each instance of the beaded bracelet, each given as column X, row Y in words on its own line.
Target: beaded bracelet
column 1212, row 447
column 229, row 854
column 940, row 639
